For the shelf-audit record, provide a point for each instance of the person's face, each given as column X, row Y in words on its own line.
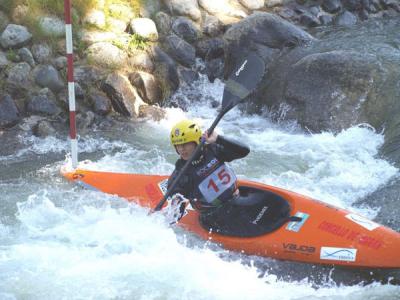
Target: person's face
column 186, row 150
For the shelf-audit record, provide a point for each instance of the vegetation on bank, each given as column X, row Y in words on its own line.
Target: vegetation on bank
column 80, row 8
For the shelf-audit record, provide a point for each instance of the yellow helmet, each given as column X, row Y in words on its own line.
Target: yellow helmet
column 184, row 132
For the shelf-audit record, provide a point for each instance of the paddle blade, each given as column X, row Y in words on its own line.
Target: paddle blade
column 244, row 80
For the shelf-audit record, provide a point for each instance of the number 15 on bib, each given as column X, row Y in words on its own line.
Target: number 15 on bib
column 217, row 183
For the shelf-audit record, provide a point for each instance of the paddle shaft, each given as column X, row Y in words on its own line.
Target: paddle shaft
column 192, row 157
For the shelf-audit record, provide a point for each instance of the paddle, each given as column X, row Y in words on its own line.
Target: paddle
column 238, row 86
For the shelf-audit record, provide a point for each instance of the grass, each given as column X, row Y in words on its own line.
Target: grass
column 80, row 8
column 38, row 8
column 12, row 55
column 136, row 42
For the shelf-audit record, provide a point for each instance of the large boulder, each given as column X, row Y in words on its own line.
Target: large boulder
column 94, row 36
column 387, row 198
column 107, row 55
column 346, row 19
column 15, row 36
column 252, row 4
column 263, row 29
column 26, row 55
column 334, row 84
column 44, row 103
column 180, row 50
column 88, row 76
column 187, row 8
column 101, row 104
column 212, row 26
column 220, row 8
column 124, row 97
column 9, row 114
column 186, row 29
column 145, row 28
column 339, row 81
column 266, row 29
column 48, row 77
column 96, row 18
column 18, row 80
column 155, row 113
column 147, row 86
column 331, row 6
column 166, row 71
column 163, row 22
column 41, row 52
column 210, row 47
column 52, row 26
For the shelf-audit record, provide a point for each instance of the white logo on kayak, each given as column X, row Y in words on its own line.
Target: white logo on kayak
column 260, row 215
column 343, row 254
column 163, row 185
column 241, row 68
column 364, row 222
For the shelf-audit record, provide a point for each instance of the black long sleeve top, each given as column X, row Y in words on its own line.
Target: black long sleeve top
column 215, row 154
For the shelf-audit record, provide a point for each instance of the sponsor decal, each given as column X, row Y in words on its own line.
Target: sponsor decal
column 207, row 169
column 364, row 222
column 365, row 240
column 295, row 226
column 241, row 68
column 294, row 248
column 342, row 254
column 260, row 215
column 177, row 132
column 163, row 185
column 351, row 235
column 334, row 228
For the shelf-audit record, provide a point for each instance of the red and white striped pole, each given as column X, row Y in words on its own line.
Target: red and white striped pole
column 71, row 84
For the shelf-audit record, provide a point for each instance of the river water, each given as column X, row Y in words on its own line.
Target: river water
column 59, row 241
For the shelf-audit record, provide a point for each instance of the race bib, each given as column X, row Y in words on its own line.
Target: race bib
column 217, row 183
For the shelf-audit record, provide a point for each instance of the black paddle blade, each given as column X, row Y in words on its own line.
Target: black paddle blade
column 244, row 80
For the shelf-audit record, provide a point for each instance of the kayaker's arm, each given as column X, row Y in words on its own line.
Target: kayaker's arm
column 228, row 149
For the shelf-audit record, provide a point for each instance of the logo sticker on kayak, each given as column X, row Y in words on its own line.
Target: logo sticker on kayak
column 364, row 222
column 343, row 254
column 163, row 185
column 296, row 225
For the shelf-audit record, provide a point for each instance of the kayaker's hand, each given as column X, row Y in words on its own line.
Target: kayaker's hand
column 177, row 199
column 210, row 139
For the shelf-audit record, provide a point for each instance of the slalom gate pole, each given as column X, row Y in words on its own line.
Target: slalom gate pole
column 71, row 84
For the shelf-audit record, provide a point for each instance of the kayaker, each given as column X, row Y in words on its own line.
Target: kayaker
column 209, row 183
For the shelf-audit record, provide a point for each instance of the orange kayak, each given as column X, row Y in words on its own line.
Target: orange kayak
column 321, row 233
